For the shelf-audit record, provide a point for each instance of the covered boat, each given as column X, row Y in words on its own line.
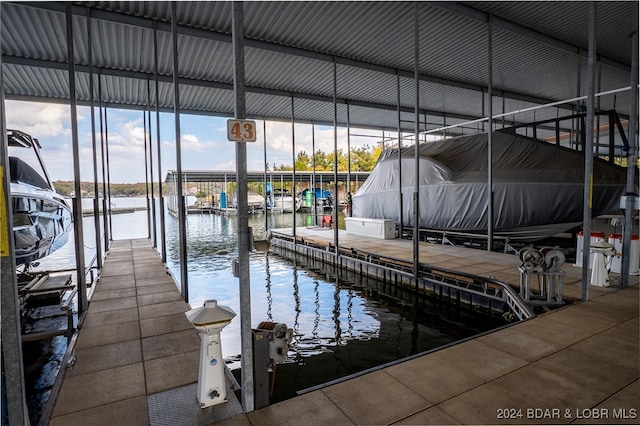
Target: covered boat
column 41, row 217
column 538, row 187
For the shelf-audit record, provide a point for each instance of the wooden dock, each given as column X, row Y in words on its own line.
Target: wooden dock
column 574, row 364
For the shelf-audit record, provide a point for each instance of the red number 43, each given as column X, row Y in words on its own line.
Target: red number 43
column 242, row 131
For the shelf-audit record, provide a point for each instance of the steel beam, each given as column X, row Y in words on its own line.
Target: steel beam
column 163, row 239
column 94, row 150
column 335, row 163
column 83, row 303
column 632, row 158
column 400, row 203
column 490, row 136
column 588, row 155
column 244, row 235
column 13, row 384
column 182, row 232
column 154, row 240
column 416, row 191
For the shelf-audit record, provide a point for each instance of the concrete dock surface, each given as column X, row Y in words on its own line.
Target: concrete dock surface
column 137, row 362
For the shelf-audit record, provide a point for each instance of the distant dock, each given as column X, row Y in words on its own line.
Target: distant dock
column 115, row 210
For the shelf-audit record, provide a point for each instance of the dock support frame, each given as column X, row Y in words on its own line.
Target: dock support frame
column 244, row 234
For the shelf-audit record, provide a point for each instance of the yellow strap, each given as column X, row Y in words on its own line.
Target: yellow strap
column 4, row 226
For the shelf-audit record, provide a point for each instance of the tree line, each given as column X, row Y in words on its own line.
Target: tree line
column 363, row 159
column 66, row 188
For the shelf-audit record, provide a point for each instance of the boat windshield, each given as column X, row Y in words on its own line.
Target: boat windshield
column 25, row 165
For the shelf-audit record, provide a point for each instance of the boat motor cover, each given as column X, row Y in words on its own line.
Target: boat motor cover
column 534, row 182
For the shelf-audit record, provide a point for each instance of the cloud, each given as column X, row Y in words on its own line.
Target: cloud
column 192, row 143
column 204, row 147
column 40, row 120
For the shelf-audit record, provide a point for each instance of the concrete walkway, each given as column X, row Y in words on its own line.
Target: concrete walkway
column 136, row 345
column 134, row 342
column 578, row 361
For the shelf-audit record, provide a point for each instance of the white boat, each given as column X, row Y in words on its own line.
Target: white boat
column 255, row 201
column 538, row 187
column 283, row 201
column 41, row 217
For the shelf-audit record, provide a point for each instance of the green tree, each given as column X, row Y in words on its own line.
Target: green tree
column 321, row 160
column 303, row 161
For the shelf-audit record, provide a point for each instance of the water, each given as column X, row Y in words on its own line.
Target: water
column 340, row 326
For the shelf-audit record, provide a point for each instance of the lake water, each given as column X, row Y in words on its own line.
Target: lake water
column 340, row 327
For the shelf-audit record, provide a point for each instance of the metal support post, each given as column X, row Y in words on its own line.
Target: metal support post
column 631, row 156
column 293, row 172
column 348, row 161
column 105, row 199
column 264, row 147
column 106, row 143
column 247, row 382
column 83, row 303
column 400, row 203
column 588, row 154
column 14, row 389
column 163, row 239
column 416, row 193
column 313, row 174
column 153, row 201
column 180, row 204
column 490, row 141
column 96, row 191
column 335, row 157
column 146, row 172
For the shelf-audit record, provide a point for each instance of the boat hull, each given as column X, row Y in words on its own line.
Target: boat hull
column 41, row 223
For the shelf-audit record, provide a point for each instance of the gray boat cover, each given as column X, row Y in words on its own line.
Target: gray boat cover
column 535, row 183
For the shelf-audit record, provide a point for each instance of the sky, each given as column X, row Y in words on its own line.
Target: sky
column 203, row 140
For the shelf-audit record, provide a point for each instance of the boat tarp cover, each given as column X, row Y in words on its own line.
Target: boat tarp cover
column 22, row 172
column 535, row 183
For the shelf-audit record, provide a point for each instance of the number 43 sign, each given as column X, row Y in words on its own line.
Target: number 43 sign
column 241, row 130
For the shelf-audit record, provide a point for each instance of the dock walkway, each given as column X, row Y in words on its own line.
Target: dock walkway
column 577, row 364
column 136, row 354
column 574, row 364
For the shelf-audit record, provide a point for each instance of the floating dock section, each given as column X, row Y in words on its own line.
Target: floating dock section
column 484, row 280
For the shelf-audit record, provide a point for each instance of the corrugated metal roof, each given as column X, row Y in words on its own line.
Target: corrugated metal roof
column 291, row 47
